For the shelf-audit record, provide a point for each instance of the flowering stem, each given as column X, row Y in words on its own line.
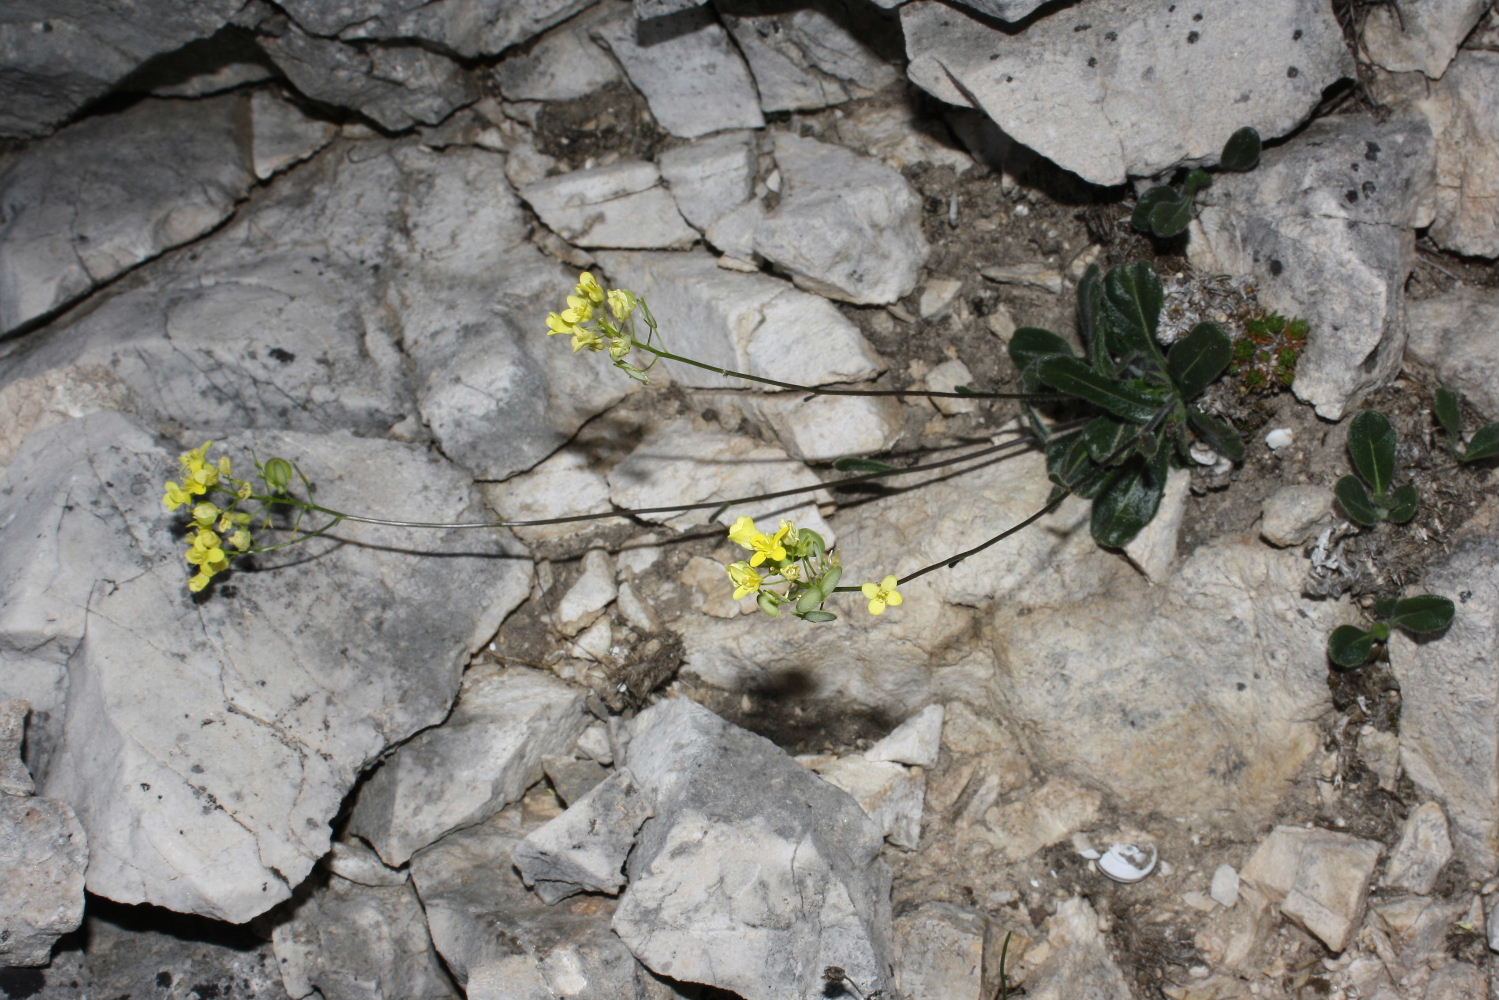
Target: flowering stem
column 815, row 390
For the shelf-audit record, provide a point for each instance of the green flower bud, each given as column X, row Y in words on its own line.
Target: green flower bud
column 277, row 474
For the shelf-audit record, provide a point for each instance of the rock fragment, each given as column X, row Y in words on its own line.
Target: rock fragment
column 584, row 849
column 805, row 59
column 1423, row 849
column 1424, row 38
column 1463, row 108
column 1293, row 514
column 1077, row 962
column 941, row 949
column 916, row 741
column 43, row 853
column 712, row 175
column 1319, row 878
column 622, row 206
column 1449, row 334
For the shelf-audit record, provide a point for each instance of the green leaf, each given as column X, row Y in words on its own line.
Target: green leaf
column 1132, row 307
column 1171, row 217
column 808, row 601
column 1449, row 415
column 1371, row 445
column 862, row 465
column 1127, row 505
column 1350, row 646
column 1147, row 204
column 1198, row 358
column 1403, row 502
column 819, row 616
column 1074, row 377
column 1196, row 181
column 1105, row 437
column 829, row 581
column 1354, row 499
column 1090, row 318
column 1483, row 444
column 1031, row 343
column 1241, row 151
column 768, row 604
column 1427, row 613
column 1067, row 461
column 1217, row 434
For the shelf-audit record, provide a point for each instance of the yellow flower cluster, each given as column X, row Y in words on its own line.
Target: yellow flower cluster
column 598, row 320
column 212, row 527
column 793, row 567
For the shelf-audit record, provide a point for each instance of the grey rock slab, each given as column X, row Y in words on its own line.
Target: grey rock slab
column 282, row 134
column 1039, row 818
column 917, row 741
column 562, row 65
column 1293, row 514
column 14, row 778
column 74, row 219
column 709, row 176
column 847, row 226
column 747, row 846
column 1325, row 227
column 891, row 795
column 497, row 936
column 748, row 322
column 1111, row 89
column 593, row 591
column 1005, row 10
column 355, row 861
column 569, row 482
column 825, row 428
column 1165, row 718
column 1463, row 108
column 584, row 849
column 56, row 57
column 1449, row 718
column 679, row 464
column 468, row 27
column 1453, row 334
column 347, row 941
column 1423, row 37
column 481, row 759
column 807, row 59
column 1423, row 849
column 1319, row 878
column 396, row 86
column 621, row 206
column 1079, row 963
column 941, row 952
column 43, row 853
column 572, row 778
column 283, row 690
column 687, row 67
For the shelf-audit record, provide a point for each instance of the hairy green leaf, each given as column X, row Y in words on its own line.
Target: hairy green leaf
column 1196, row 181
column 1171, row 217
column 1449, row 415
column 1217, row 434
column 1403, row 503
column 1198, row 358
column 1106, row 437
column 1074, row 377
column 1132, row 304
column 1029, row 344
column 1241, row 151
column 1427, row 613
column 1350, row 646
column 1483, row 444
column 1127, row 504
column 810, row 599
column 1068, row 463
column 1354, row 499
column 1148, row 203
column 1371, row 445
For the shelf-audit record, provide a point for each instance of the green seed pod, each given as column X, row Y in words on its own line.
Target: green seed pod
column 277, row 474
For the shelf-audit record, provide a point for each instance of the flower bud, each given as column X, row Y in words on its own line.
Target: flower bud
column 277, row 475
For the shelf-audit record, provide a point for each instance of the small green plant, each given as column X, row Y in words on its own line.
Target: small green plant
column 1264, row 358
column 1367, row 498
column 1165, row 211
column 1139, row 398
column 1483, row 444
column 1351, row 647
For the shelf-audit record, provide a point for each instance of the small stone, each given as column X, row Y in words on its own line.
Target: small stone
column 586, row 599
column 584, row 849
column 1280, row 437
column 1042, row 818
column 620, row 206
column 1293, row 514
column 1153, row 550
column 1030, row 275
column 637, row 610
column 572, row 778
column 1424, row 848
column 714, row 590
column 562, row 65
column 355, row 861
column 710, row 176
column 43, row 853
column 1424, row 38
column 916, row 741
column 937, row 297
column 941, row 952
column 826, row 428
column 1225, row 887
column 946, row 377
column 594, row 742
column 890, row 794
column 14, row 778
column 1001, row 323
column 1319, row 878
column 282, row 134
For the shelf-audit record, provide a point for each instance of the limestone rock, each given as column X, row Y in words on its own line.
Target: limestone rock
column 847, row 227
column 1153, row 550
column 1165, row 717
column 593, row 591
column 748, row 322
column 567, row 483
column 711, row 175
column 805, row 59
column 14, row 778
column 221, row 805
column 355, row 942
column 472, row 28
column 889, row 794
column 1078, row 963
column 1449, row 717
column 1038, row 819
column 621, row 205
column 56, row 57
column 1424, row 38
column 825, row 428
column 43, row 852
column 1293, row 514
column 1324, row 226
column 562, row 65
column 916, row 741
column 1111, row 89
column 482, row 758
column 689, row 71
column 1452, row 334
column 283, row 135
column 76, row 220
column 1319, row 878
column 1423, row 849
column 584, row 849
column 747, row 846
column 503, row 943
column 941, row 948
column 1463, row 108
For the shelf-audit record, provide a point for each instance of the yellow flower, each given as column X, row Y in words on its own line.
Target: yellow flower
column 746, row 535
column 621, row 303
column 584, row 337
column 589, row 288
column 199, row 581
column 556, row 324
column 882, row 595
column 742, row 531
column 175, row 496
column 746, row 580
column 579, row 310
column 205, row 513
column 240, row 539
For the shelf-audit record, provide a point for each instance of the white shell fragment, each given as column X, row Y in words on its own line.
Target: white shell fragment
column 1128, row 862
column 1280, row 437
